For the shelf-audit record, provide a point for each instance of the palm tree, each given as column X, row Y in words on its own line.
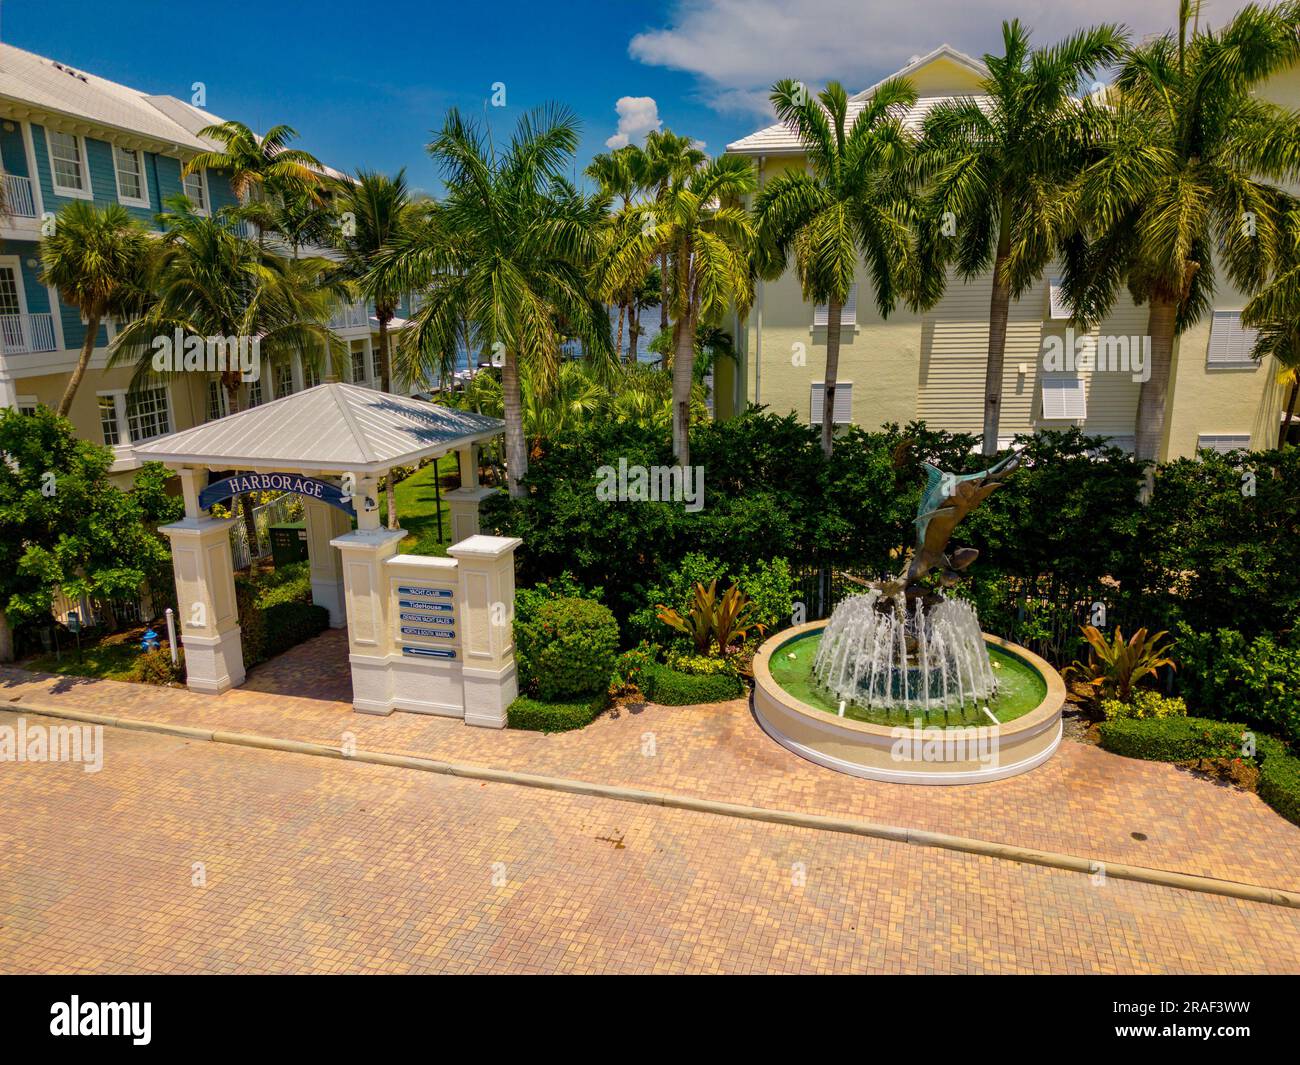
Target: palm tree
column 208, row 281
column 1185, row 170
column 508, row 251
column 853, row 204
column 1275, row 312
column 377, row 210
column 667, row 158
column 997, row 167
column 710, row 237
column 618, row 174
column 256, row 165
column 97, row 259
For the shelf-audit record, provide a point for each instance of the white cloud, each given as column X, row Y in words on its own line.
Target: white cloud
column 738, row 48
column 637, row 116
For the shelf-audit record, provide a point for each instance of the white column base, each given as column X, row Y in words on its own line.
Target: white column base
column 488, row 692
column 214, row 664
column 372, row 687
column 329, row 594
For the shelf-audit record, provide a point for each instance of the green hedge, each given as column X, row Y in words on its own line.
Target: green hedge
column 668, row 687
column 538, row 716
column 1187, row 739
column 1172, row 739
column 567, row 649
column 289, row 624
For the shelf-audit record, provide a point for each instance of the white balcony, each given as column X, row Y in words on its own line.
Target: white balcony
column 20, row 333
column 351, row 316
column 18, row 198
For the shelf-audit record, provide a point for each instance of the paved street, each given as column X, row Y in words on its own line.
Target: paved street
column 308, row 864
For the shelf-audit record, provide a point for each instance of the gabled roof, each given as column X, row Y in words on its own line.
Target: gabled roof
column 332, row 427
column 780, row 139
column 32, row 81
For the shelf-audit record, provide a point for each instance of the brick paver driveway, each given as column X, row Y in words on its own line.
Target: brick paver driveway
column 1084, row 801
column 310, row 864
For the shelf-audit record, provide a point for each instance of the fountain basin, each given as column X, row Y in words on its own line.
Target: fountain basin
column 955, row 751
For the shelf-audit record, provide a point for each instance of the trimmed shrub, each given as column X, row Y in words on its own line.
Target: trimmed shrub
column 539, row 716
column 155, row 667
column 1173, row 739
column 1256, row 681
column 631, row 666
column 668, row 687
column 567, row 649
column 1145, row 704
column 1279, row 782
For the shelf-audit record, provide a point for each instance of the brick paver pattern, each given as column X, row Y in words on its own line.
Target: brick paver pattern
column 1083, row 801
column 317, row 865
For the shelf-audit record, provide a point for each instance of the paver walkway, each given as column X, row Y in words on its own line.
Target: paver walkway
column 1083, row 801
column 315, row 865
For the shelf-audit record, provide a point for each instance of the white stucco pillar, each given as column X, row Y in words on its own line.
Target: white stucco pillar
column 486, row 577
column 205, row 594
column 364, row 554
column 324, row 524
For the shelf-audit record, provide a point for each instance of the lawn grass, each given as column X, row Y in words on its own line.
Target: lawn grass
column 417, row 511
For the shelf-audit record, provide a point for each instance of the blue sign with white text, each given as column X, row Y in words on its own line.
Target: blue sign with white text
column 310, row 487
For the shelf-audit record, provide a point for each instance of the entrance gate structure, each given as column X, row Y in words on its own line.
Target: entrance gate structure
column 430, row 635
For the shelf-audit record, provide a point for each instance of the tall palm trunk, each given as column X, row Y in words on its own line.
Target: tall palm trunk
column 634, row 332
column 1161, row 321
column 1290, row 413
column 6, row 638
column 516, row 447
column 834, row 312
column 79, row 371
column 999, row 304
column 683, row 373
column 618, row 348
column 384, row 316
column 663, row 292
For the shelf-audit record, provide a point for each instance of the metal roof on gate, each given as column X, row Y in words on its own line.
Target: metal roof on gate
column 331, row 427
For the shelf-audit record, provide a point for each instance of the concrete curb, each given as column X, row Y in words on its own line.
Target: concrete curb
column 816, row 822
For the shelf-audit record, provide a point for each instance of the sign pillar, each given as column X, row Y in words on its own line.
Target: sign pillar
column 205, row 593
column 486, row 579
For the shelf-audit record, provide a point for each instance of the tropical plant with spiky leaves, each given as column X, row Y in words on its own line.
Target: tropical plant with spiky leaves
column 509, row 252
column 996, row 170
column 1188, row 171
column 1115, row 665
column 855, row 204
column 97, row 259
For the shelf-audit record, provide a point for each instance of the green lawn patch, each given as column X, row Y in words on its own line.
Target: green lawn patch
column 417, row 510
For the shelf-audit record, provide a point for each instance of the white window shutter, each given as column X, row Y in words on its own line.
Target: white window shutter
column 1230, row 341
column 1222, row 443
column 848, row 313
column 1064, row 398
column 1057, row 308
column 843, row 403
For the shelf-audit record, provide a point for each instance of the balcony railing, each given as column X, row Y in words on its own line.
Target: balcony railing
column 353, row 316
column 18, row 197
column 21, row 333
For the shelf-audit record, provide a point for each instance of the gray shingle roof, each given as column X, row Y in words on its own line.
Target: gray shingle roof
column 332, row 427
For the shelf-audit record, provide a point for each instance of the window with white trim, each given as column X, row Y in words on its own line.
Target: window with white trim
column 217, row 404
column 283, row 380
column 255, row 394
column 359, row 374
column 1057, row 307
column 1230, row 341
column 310, row 375
column 109, row 421
column 1064, row 398
column 843, row 414
column 27, row 404
column 195, row 186
column 848, row 313
column 68, row 164
column 1222, row 442
column 128, row 164
column 147, row 415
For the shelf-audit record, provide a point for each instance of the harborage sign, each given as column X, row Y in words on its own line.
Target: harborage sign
column 276, row 482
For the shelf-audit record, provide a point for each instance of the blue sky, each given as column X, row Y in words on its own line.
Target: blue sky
column 365, row 83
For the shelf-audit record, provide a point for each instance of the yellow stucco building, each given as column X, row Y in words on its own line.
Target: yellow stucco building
column 930, row 366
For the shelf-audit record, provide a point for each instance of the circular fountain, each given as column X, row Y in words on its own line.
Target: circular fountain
column 900, row 684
